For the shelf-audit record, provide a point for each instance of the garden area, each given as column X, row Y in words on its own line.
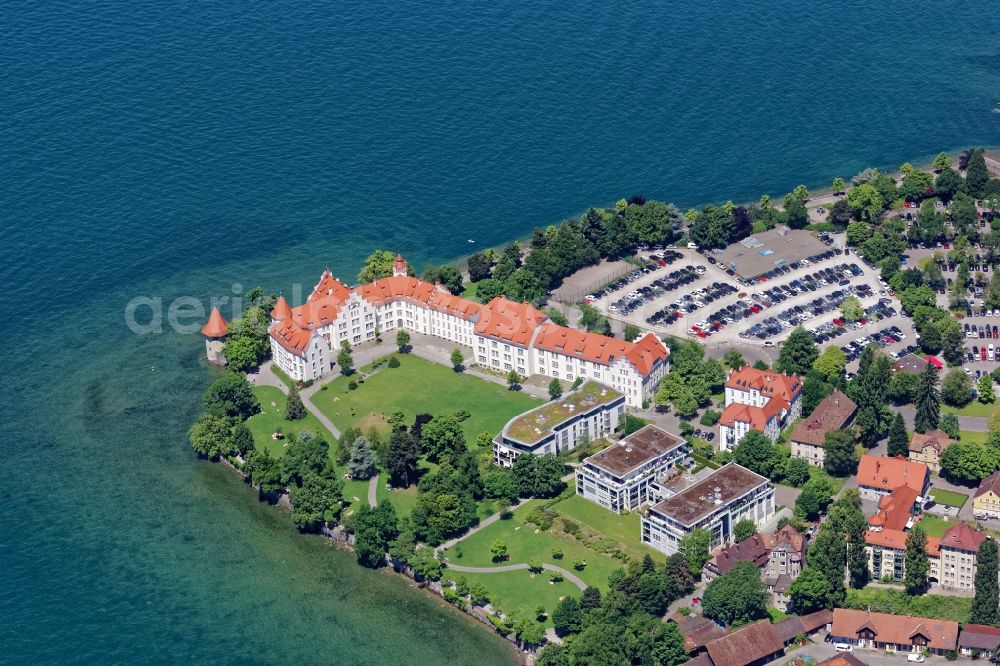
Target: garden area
column 420, row 387
column 948, row 498
column 935, row 526
column 623, row 529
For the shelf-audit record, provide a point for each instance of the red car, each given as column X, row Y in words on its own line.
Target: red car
column 755, row 308
column 838, row 321
column 982, row 351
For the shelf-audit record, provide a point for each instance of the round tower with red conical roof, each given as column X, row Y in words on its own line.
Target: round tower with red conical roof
column 399, row 266
column 281, row 310
column 215, row 336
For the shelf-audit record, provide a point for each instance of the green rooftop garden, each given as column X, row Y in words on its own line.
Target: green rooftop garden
column 533, row 426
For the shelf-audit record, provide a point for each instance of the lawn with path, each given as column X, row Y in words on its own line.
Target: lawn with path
column 974, row 408
column 519, row 593
column 419, row 386
column 623, row 529
column 948, row 498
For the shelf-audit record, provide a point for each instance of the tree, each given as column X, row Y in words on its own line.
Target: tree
column 899, row 440
column 866, row 202
column 448, row 276
column 828, row 555
column 736, row 596
column 247, row 342
column 941, row 162
column 927, row 401
column 378, row 265
column 916, row 563
column 838, row 185
column 948, row 183
column 814, row 498
column 809, row 591
column 345, row 360
column 498, row 551
column 796, row 472
column 401, row 458
column 840, row 458
column 567, row 616
column 442, row 437
column 211, row 436
column 956, row 388
column 374, row 529
column 513, row 379
column 985, row 389
column 631, row 332
column 591, row 599
column 952, row 341
column 498, row 483
column 798, row 353
column 316, row 500
column 695, row 547
column 831, row 362
column 457, row 359
column 361, row 465
column 479, row 267
column 555, row 389
column 734, row 359
column 985, row 603
column 538, row 476
column 403, row 341
column 814, row 389
column 757, row 453
column 744, row 529
column 858, row 233
column 668, row 646
column 264, row 471
column 969, row 462
column 976, row 174
column 851, row 310
column 949, row 424
column 231, row 396
column 294, row 409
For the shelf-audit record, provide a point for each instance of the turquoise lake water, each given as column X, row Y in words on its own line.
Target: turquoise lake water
column 165, row 149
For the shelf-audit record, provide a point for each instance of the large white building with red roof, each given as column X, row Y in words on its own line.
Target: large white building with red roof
column 761, row 400
column 503, row 335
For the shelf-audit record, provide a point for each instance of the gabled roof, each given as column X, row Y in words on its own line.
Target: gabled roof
column 646, row 353
column 897, row 629
column 889, row 473
column 579, row 344
column 329, row 286
column 979, row 637
column 832, row 413
column 846, row 659
column 757, row 417
column 697, row 630
column 292, row 337
column 962, row 537
column 990, row 483
column 514, row 323
column 748, row 550
column 895, row 509
column 791, row 627
column 936, row 439
column 767, row 382
column 216, row 327
column 745, row 645
column 896, row 540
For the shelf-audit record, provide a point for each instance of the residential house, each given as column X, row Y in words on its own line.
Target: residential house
column 834, row 412
column 978, row 639
column 959, row 554
column 893, row 633
column 845, row 659
column 927, row 447
column 620, row 476
column 878, row 476
column 986, row 500
column 761, row 400
column 714, row 503
column 779, row 555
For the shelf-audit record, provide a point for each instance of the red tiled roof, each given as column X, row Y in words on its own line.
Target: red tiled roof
column 896, row 539
column 292, row 337
column 329, row 286
column 281, row 309
column 895, row 509
column 757, row 417
column 962, row 537
column 745, row 645
column 412, row 290
column 216, row 327
column 890, row 473
column 768, row 382
column 842, row 660
column 646, row 353
column 514, row 323
column 897, row 629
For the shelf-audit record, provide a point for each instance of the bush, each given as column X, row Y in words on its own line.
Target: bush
column 897, row 602
column 393, row 362
column 569, row 527
column 462, row 415
column 352, row 385
column 556, row 577
column 557, row 553
column 534, row 566
column 710, row 417
column 542, row 517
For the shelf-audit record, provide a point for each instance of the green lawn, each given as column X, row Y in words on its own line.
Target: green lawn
column 974, row 408
column 948, row 497
column 469, row 290
column 819, row 472
column 418, row 386
column 272, row 418
column 519, row 593
column 934, row 526
column 624, row 529
column 972, row 436
column 526, row 542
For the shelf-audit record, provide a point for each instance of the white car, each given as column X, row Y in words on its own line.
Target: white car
column 915, row 657
column 844, row 647
column 692, row 246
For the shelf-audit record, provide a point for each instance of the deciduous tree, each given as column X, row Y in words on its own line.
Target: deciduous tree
column 810, row 591
column 403, row 341
column 798, row 353
column 737, row 596
column 555, row 389
column 231, row 396
column 840, row 458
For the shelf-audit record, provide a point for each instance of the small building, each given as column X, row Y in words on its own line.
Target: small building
column 215, row 330
column 910, row 363
column 761, row 400
column 927, row 447
column 803, row 625
column 978, row 639
column 879, row 475
column 846, row 659
column 619, row 477
column 834, row 412
column 715, row 503
column 893, row 633
column 986, row 500
column 959, row 555
column 583, row 415
column 698, row 631
column 756, row 643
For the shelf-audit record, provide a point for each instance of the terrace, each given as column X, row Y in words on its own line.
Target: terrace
column 532, row 427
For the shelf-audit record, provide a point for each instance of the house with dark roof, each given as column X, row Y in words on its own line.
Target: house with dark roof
column 959, row 556
column 846, row 659
column 754, row 644
column 893, row 633
column 986, row 499
column 910, row 363
column 834, row 412
column 779, row 555
column 803, row 625
column 978, row 639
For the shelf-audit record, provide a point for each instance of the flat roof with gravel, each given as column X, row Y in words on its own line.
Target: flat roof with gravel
column 639, row 448
column 760, row 253
column 721, row 487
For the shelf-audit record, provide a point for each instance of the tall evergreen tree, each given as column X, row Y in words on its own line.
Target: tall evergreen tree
column 928, row 401
column 976, row 174
column 798, row 353
column 361, row 466
column 294, row 409
column 917, row 564
column 899, row 441
column 985, row 605
column 828, row 554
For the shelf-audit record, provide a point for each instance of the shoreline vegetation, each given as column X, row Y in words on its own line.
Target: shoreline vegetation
column 432, row 476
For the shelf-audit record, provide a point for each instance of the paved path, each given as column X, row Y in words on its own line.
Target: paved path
column 518, row 567
column 973, row 423
column 373, row 492
column 483, row 524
